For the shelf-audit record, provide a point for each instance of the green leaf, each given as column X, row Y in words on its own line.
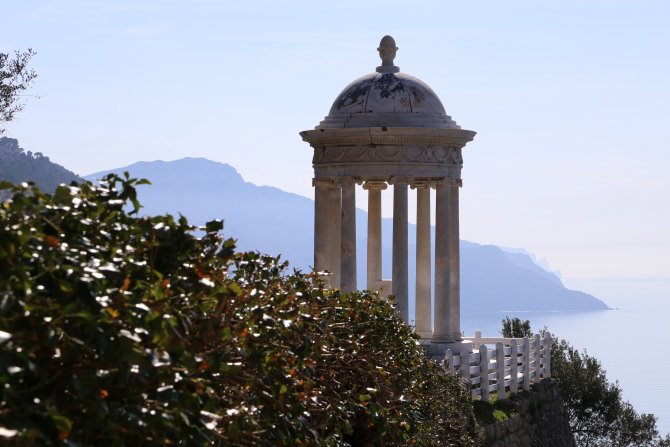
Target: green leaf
column 62, row 423
column 227, row 334
column 62, row 195
column 214, row 226
column 234, row 430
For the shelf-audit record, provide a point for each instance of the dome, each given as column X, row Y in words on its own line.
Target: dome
column 387, row 98
column 387, row 92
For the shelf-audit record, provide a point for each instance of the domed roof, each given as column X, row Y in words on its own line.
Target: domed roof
column 387, row 98
column 387, row 92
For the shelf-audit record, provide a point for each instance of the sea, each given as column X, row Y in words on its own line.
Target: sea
column 628, row 340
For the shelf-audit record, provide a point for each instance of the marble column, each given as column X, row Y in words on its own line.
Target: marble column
column 400, row 260
column 454, row 263
column 348, row 237
column 423, row 323
column 321, row 212
column 374, row 274
column 334, row 233
column 441, row 328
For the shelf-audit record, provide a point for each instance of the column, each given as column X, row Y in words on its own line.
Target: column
column 348, row 235
column 399, row 267
column 335, row 230
column 321, row 208
column 422, row 318
column 454, row 263
column 447, row 263
column 441, row 317
column 374, row 274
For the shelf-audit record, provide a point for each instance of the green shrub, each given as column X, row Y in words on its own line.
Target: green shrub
column 493, row 411
column 515, row 328
column 117, row 329
column 598, row 414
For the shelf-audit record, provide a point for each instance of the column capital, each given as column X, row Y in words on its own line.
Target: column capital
column 446, row 181
column 322, row 181
column 347, row 180
column 375, row 184
column 420, row 183
column 399, row 180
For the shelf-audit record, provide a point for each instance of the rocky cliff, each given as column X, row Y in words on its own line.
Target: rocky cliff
column 540, row 420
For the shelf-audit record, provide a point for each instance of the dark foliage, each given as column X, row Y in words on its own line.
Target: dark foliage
column 15, row 78
column 515, row 328
column 124, row 330
column 598, row 414
column 18, row 166
column 599, row 417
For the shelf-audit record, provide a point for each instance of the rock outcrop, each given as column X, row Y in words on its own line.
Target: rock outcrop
column 541, row 421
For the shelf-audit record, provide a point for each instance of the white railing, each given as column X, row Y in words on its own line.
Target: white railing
column 514, row 363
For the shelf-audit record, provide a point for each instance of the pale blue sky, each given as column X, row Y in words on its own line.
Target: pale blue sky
column 570, row 99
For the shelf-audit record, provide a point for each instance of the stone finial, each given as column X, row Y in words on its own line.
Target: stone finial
column 387, row 51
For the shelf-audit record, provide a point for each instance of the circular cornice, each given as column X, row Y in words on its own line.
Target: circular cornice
column 386, row 136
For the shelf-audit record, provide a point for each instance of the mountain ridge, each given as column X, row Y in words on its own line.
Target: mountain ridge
column 18, row 165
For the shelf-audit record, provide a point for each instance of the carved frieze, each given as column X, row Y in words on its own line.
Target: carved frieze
column 447, row 155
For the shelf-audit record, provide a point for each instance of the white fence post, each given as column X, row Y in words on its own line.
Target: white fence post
column 537, row 358
column 465, row 362
column 500, row 369
column 478, row 335
column 514, row 372
column 546, row 359
column 526, row 364
column 484, row 372
column 448, row 361
column 530, row 362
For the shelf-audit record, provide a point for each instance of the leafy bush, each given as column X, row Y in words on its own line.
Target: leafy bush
column 598, row 414
column 494, row 410
column 515, row 328
column 117, row 329
column 15, row 78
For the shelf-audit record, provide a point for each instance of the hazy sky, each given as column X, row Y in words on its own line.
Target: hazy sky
column 570, row 99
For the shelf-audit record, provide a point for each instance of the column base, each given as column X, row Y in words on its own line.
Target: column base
column 426, row 337
column 437, row 349
column 447, row 338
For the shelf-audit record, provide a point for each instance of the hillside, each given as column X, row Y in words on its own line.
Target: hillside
column 17, row 165
column 273, row 221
